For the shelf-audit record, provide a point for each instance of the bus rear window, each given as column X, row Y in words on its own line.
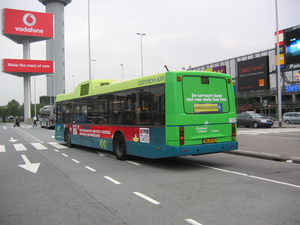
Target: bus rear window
column 205, row 95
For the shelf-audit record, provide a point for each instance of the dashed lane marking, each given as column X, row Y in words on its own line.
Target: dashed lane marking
column 146, row 198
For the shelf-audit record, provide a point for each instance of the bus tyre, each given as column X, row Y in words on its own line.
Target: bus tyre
column 68, row 138
column 119, row 146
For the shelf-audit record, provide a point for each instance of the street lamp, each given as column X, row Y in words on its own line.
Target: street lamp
column 122, row 71
column 93, row 60
column 141, row 35
column 73, row 82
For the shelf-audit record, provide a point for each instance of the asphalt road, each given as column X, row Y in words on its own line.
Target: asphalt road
column 44, row 182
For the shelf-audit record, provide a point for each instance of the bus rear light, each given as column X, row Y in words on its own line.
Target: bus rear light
column 181, row 135
column 233, row 131
column 179, row 78
column 229, row 81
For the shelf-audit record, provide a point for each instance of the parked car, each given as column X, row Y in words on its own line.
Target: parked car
column 253, row 119
column 291, row 117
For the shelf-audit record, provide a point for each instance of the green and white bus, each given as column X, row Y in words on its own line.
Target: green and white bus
column 170, row 114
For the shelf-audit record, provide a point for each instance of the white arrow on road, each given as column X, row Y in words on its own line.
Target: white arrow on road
column 32, row 167
column 12, row 140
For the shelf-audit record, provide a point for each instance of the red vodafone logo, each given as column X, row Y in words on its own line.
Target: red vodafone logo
column 29, row 19
column 27, row 23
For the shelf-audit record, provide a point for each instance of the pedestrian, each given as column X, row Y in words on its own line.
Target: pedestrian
column 17, row 122
column 34, row 121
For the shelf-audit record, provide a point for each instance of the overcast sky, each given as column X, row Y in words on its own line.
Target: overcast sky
column 179, row 33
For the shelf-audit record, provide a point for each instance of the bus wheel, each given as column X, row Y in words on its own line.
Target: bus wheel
column 68, row 138
column 119, row 146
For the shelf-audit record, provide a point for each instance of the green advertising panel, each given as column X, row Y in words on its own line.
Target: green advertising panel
column 205, row 94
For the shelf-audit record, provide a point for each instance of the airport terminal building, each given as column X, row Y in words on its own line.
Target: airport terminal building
column 255, row 76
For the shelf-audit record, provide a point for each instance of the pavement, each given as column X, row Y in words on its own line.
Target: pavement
column 278, row 154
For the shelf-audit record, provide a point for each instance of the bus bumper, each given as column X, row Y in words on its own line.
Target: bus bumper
column 202, row 149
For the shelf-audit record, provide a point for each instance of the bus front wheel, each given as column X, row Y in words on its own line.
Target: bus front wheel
column 68, row 138
column 119, row 146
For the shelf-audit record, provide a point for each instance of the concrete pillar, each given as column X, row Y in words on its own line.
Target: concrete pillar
column 55, row 48
column 26, row 83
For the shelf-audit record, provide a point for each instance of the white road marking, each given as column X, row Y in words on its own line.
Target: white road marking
column 20, row 147
column 247, row 175
column 2, row 148
column 112, row 180
column 146, row 198
column 57, row 145
column 74, row 160
column 32, row 167
column 268, row 131
column 65, row 155
column 193, row 222
column 102, row 155
column 134, row 163
column 39, row 146
column 91, row 169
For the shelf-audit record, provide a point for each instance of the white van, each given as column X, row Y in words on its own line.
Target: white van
column 291, row 117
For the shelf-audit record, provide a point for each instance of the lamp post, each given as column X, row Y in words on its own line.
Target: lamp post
column 122, row 71
column 141, row 35
column 34, row 96
column 51, row 78
column 89, row 35
column 93, row 60
column 278, row 71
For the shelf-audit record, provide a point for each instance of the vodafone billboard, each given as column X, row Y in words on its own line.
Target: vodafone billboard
column 19, row 67
column 36, row 26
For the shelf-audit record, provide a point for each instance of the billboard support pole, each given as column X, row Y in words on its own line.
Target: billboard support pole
column 278, row 71
column 26, row 55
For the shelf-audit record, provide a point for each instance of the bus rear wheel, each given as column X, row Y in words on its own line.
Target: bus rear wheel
column 119, row 146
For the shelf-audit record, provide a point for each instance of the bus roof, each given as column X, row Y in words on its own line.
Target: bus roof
column 102, row 86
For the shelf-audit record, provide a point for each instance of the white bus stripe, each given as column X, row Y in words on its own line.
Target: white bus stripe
column 20, row 147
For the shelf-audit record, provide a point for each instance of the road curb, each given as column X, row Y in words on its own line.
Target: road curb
column 261, row 155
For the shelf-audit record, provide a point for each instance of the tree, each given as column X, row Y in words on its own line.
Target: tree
column 13, row 108
column 38, row 106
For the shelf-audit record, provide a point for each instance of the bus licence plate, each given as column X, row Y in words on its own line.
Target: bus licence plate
column 209, row 140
